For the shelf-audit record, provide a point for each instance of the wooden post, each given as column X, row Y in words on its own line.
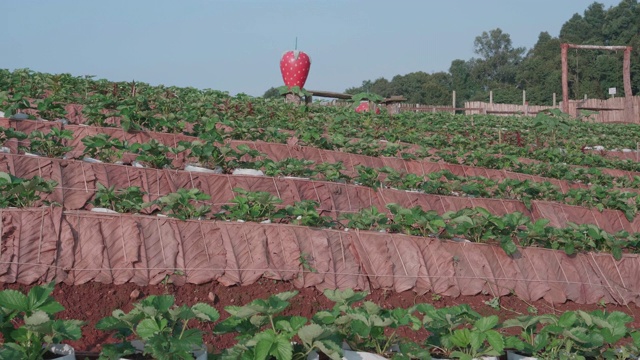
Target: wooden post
column 628, row 99
column 626, row 71
column 565, row 78
column 491, row 97
column 524, row 97
column 554, row 100
column 453, row 102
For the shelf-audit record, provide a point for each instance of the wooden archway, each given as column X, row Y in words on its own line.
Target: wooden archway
column 626, row 70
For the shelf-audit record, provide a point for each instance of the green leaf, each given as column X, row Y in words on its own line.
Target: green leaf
column 461, row 338
column 308, row 334
column 38, row 317
column 487, row 323
column 496, row 340
column 617, row 253
column 330, row 348
column 12, row 351
column 297, row 322
column 68, row 329
column 205, row 312
column 109, row 323
column 147, row 328
column 567, row 319
column 283, row 348
column 461, row 355
column 163, row 302
column 4, row 177
column 264, row 343
column 284, row 296
column 13, row 300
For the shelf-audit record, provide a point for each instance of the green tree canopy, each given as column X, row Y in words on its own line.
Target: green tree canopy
column 507, row 70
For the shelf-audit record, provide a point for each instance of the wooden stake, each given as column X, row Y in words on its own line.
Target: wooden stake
column 453, row 103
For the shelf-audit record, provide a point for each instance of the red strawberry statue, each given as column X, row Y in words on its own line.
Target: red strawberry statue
column 294, row 67
column 364, row 107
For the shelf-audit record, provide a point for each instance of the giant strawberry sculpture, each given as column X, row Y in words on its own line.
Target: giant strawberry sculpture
column 364, row 107
column 294, row 67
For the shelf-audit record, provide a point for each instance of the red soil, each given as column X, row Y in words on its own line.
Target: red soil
column 92, row 301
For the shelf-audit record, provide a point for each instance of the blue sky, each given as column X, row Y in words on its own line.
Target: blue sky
column 236, row 45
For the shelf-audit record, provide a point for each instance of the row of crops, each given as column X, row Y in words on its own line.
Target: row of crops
column 156, row 155
column 263, row 331
column 79, row 120
column 215, row 117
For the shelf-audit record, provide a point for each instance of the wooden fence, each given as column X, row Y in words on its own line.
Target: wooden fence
column 480, row 107
column 607, row 111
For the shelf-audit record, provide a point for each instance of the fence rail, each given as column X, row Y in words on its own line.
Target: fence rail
column 613, row 110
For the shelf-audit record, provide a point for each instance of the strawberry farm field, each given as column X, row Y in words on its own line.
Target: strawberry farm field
column 410, row 235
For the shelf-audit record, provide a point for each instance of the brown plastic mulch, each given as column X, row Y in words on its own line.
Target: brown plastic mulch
column 78, row 181
column 78, row 246
column 276, row 152
column 75, row 247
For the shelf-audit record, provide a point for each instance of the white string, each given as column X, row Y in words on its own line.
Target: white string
column 315, row 271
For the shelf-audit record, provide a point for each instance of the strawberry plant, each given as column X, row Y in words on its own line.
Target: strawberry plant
column 206, row 153
column 50, row 109
column 332, row 172
column 128, row 200
column 181, row 205
column 481, row 340
column 49, row 144
column 529, row 342
column 265, row 334
column 160, row 325
column 250, row 206
column 154, row 153
column 367, row 327
column 11, row 133
column 361, row 101
column 290, row 167
column 243, row 157
column 98, row 109
column 402, row 181
column 570, row 337
column 36, row 330
column 443, row 323
column 12, row 103
column 366, row 219
column 296, row 90
column 104, row 148
column 305, row 213
column 415, row 221
column 18, row 192
column 367, row 177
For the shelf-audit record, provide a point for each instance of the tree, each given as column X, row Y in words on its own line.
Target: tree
column 506, row 70
column 462, row 81
column 540, row 73
column 380, row 86
column 499, row 59
column 271, row 93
